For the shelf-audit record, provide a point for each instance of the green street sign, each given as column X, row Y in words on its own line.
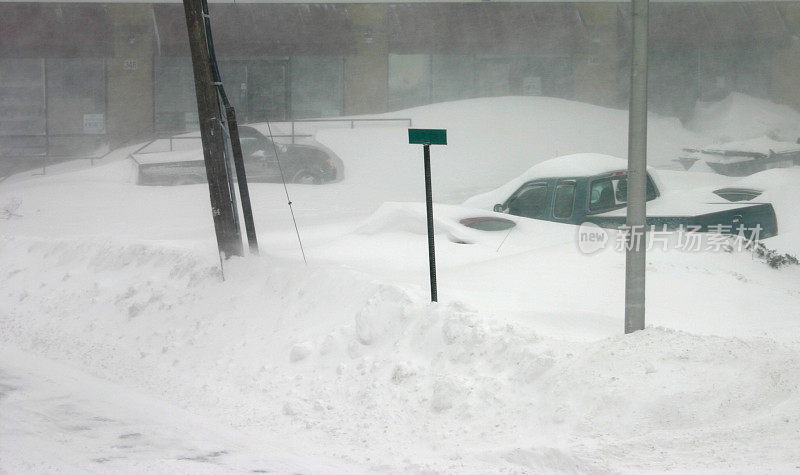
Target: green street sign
column 427, row 136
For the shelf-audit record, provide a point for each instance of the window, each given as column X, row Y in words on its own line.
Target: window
column 409, row 80
column 602, row 194
column 453, row 77
column 22, row 110
column 565, row 200
column 175, row 100
column 317, row 86
column 493, row 76
column 612, row 192
column 76, row 104
column 530, row 201
column 251, row 147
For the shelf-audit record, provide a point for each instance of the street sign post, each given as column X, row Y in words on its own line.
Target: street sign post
column 426, row 138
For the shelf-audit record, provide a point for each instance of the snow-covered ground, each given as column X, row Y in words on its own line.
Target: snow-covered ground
column 124, row 350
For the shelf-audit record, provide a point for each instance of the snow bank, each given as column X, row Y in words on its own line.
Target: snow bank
column 492, row 140
column 742, row 117
column 55, row 418
column 520, row 367
column 372, row 373
column 782, row 190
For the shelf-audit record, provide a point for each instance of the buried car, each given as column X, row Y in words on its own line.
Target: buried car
column 264, row 161
column 743, row 158
column 581, row 188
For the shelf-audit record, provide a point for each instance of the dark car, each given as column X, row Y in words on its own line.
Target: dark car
column 264, row 161
column 593, row 188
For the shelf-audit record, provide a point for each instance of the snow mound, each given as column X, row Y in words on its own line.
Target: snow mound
column 492, row 140
column 742, row 117
column 376, row 374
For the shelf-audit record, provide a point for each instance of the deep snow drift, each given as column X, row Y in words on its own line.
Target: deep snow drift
column 344, row 366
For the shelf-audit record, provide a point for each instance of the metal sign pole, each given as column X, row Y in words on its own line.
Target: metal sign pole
column 635, row 256
column 429, row 203
column 426, row 138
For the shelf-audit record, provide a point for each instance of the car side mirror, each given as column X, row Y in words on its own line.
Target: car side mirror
column 498, row 208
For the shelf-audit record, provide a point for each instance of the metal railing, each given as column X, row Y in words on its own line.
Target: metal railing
column 43, row 149
column 46, row 156
column 351, row 121
column 293, row 134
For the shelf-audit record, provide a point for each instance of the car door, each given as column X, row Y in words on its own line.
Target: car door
column 530, row 201
column 254, row 156
column 258, row 153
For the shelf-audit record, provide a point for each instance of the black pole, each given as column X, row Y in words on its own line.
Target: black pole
column 233, row 136
column 429, row 203
column 229, row 239
column 241, row 176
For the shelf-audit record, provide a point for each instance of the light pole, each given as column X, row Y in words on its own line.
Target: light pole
column 636, row 221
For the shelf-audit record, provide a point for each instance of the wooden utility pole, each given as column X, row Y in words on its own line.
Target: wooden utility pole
column 229, row 239
column 241, row 177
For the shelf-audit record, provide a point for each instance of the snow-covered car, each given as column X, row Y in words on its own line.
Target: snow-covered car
column 592, row 188
column 743, row 158
column 263, row 159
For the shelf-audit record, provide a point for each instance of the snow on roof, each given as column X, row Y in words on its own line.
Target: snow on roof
column 578, row 164
column 575, row 165
column 740, row 116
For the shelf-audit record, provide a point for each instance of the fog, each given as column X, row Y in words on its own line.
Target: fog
column 79, row 76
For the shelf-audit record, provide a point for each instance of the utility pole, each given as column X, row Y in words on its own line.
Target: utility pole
column 229, row 239
column 636, row 221
column 241, row 178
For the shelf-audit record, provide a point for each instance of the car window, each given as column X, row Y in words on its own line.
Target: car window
column 530, row 201
column 250, row 147
column 612, row 192
column 565, row 200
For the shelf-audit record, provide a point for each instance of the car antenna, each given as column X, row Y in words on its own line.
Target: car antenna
column 504, row 239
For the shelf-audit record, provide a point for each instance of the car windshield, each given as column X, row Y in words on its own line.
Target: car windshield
column 612, row 192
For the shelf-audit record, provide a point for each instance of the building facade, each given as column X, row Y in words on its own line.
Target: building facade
column 78, row 77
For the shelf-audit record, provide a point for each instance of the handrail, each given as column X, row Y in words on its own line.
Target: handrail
column 175, row 135
column 173, row 138
column 352, row 122
column 377, row 119
column 47, row 155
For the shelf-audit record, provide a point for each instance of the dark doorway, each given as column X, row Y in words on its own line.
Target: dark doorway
column 268, row 91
